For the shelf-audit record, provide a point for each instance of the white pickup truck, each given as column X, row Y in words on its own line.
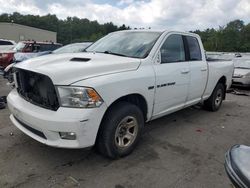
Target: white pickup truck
column 103, row 96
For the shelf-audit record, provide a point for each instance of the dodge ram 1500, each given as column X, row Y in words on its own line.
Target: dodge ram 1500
column 103, row 97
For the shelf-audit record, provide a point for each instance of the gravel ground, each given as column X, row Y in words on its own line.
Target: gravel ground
column 185, row 149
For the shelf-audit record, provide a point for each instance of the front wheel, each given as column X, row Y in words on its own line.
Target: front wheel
column 120, row 130
column 213, row 103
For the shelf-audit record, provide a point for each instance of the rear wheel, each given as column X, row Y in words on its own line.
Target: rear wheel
column 120, row 130
column 213, row 103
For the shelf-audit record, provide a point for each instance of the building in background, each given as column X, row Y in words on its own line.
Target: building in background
column 17, row 32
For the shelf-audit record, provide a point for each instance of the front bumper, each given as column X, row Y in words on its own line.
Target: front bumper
column 36, row 121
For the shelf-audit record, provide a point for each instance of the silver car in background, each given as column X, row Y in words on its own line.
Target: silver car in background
column 241, row 75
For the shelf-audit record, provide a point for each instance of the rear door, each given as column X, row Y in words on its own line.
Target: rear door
column 198, row 69
column 172, row 76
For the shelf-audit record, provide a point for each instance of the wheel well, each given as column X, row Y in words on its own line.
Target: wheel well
column 135, row 99
column 223, row 80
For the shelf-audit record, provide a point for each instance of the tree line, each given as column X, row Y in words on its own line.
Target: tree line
column 234, row 37
column 69, row 30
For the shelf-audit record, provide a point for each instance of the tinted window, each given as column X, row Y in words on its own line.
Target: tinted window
column 28, row 48
column 55, row 46
column 173, row 49
column 194, row 48
column 36, row 48
column 5, row 43
column 48, row 47
column 45, row 47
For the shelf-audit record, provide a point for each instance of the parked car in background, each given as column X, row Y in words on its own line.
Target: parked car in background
column 6, row 44
column 26, row 49
column 6, row 58
column 241, row 75
column 19, row 56
column 220, row 55
column 34, row 46
column 103, row 97
column 6, row 52
column 72, row 48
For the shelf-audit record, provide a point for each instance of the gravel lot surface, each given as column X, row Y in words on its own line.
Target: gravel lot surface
column 185, row 149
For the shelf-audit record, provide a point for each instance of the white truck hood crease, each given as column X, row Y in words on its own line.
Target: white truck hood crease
column 63, row 71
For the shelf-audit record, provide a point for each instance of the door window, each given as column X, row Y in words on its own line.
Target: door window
column 173, row 50
column 194, row 48
column 36, row 48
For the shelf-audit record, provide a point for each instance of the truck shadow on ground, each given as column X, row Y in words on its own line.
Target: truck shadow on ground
column 153, row 130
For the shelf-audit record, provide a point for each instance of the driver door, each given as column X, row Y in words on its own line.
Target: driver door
column 172, row 76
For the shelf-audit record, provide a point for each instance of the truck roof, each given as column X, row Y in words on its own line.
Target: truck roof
column 160, row 31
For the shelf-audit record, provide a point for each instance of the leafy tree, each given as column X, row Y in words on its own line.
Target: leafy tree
column 234, row 37
column 71, row 29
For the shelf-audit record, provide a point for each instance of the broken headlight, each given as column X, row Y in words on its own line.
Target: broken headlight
column 78, row 97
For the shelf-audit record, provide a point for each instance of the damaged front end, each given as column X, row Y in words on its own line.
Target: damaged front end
column 36, row 88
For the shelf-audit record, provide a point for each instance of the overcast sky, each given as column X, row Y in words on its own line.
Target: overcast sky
column 158, row 14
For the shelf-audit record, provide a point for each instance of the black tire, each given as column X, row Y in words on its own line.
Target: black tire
column 3, row 99
column 2, row 105
column 213, row 103
column 107, row 140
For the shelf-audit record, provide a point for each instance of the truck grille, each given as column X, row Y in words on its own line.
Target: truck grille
column 37, row 89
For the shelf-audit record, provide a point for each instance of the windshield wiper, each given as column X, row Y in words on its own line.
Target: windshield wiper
column 113, row 53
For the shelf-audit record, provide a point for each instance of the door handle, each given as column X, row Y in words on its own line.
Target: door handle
column 203, row 69
column 185, row 71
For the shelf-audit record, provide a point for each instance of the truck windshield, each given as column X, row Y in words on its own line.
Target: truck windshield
column 129, row 44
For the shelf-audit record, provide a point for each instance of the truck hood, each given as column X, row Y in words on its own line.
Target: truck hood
column 65, row 69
